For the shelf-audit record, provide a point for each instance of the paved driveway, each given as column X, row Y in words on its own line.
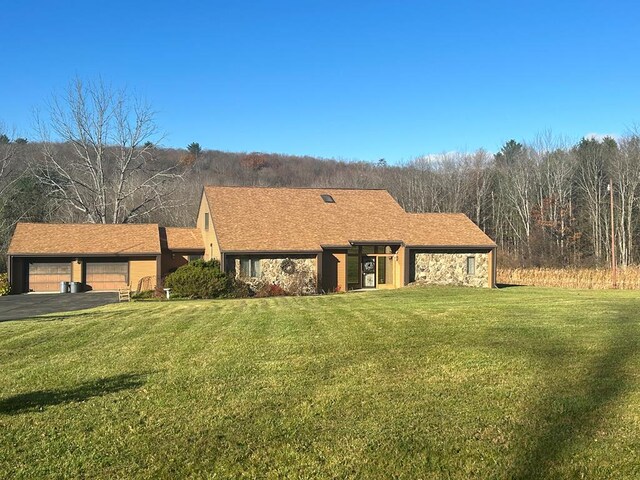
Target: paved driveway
column 15, row 307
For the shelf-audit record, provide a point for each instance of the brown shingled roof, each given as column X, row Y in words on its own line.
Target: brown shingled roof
column 84, row 239
column 444, row 229
column 298, row 219
column 184, row 238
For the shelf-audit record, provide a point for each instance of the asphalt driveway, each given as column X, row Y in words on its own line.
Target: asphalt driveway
column 15, row 307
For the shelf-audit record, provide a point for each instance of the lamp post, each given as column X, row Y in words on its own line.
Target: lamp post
column 614, row 272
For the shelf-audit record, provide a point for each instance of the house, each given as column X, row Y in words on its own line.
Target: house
column 342, row 239
column 308, row 239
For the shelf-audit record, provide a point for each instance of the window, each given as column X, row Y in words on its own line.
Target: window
column 206, row 221
column 471, row 265
column 195, row 257
column 327, row 198
column 250, row 267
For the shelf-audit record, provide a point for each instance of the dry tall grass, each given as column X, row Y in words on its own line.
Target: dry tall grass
column 628, row 278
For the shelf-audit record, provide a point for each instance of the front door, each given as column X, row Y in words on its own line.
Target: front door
column 368, row 272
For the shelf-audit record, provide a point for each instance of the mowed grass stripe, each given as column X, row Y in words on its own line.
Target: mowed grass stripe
column 414, row 383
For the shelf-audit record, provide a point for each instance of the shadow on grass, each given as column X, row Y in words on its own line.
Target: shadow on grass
column 38, row 400
column 574, row 413
column 48, row 317
column 508, row 285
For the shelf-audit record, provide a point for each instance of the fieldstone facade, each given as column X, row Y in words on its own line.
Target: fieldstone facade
column 437, row 268
column 296, row 275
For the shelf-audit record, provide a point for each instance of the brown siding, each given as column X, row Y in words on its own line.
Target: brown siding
column 171, row 261
column 492, row 269
column 76, row 270
column 334, row 271
column 403, row 266
column 341, row 259
column 140, row 268
column 18, row 280
column 211, row 247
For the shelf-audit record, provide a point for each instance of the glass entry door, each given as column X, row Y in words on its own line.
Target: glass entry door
column 368, row 272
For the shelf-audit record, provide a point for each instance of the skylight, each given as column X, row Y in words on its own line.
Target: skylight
column 327, row 198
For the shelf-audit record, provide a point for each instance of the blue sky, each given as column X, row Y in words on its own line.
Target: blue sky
column 345, row 79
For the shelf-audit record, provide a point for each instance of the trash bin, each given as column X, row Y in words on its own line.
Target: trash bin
column 76, row 287
column 64, row 287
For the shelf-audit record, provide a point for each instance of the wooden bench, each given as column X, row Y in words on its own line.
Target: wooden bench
column 124, row 294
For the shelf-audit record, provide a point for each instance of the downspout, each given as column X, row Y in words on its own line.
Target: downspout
column 158, row 271
column 9, row 269
column 495, row 268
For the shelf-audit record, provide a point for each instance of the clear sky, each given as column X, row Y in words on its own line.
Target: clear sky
column 345, row 79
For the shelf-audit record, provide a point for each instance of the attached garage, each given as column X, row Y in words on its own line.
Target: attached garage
column 46, row 276
column 98, row 256
column 106, row 275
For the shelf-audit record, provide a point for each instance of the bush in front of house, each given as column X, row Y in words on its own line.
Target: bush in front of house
column 144, row 295
column 200, row 279
column 5, row 288
column 270, row 290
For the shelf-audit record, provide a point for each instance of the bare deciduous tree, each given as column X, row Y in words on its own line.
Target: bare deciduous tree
column 101, row 163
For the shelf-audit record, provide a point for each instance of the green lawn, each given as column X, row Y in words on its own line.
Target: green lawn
column 416, row 383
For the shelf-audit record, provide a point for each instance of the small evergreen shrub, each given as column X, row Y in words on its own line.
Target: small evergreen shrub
column 200, row 279
column 5, row 288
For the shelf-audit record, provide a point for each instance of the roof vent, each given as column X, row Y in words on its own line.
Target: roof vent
column 327, row 198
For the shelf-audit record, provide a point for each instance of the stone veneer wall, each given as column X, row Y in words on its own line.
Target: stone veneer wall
column 451, row 269
column 302, row 281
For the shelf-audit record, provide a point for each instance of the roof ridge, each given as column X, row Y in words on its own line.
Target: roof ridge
column 294, row 188
column 90, row 224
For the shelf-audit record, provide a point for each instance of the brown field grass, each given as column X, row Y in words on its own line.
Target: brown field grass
column 594, row 278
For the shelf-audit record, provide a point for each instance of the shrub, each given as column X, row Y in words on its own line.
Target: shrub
column 199, row 279
column 5, row 288
column 301, row 282
column 144, row 295
column 270, row 290
column 240, row 289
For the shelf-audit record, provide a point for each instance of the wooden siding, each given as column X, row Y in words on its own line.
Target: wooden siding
column 171, row 261
column 492, row 268
column 18, row 272
column 334, row 271
column 403, row 266
column 76, row 271
column 140, row 268
column 211, row 246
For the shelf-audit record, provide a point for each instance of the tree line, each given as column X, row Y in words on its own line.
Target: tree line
column 98, row 158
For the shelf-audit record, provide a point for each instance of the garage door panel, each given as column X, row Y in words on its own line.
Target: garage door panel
column 46, row 276
column 107, row 275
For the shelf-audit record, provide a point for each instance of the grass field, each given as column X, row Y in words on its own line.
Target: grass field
column 446, row 383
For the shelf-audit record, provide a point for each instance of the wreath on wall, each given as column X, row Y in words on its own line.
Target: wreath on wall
column 288, row 266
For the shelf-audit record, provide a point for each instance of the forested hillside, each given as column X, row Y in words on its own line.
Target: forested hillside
column 545, row 202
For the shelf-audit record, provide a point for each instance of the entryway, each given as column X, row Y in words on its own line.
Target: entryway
column 372, row 266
